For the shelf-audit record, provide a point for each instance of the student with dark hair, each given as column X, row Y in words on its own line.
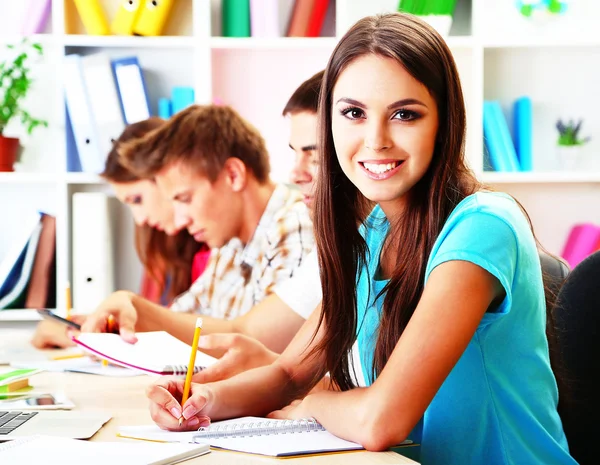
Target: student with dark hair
column 433, row 316
column 213, row 166
column 171, row 258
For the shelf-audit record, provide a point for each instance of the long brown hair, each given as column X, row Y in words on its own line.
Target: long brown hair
column 340, row 206
column 161, row 255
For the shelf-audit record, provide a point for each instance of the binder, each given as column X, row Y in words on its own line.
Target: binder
column 497, row 138
column 126, row 16
column 181, row 98
column 152, row 18
column 41, row 292
column 36, row 17
column 583, row 240
column 236, row 18
column 270, row 18
column 79, row 106
column 317, row 17
column 92, row 254
column 73, row 162
column 104, row 100
column 298, row 26
column 93, row 17
column 131, row 88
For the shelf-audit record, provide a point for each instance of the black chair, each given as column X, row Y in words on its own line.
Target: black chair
column 576, row 318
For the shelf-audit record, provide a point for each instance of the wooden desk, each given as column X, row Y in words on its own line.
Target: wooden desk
column 125, row 400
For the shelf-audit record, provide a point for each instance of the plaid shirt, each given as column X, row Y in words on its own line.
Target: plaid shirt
column 237, row 277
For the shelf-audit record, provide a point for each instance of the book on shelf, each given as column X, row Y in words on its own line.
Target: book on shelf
column 301, row 17
column 522, row 132
column 235, row 19
column 582, row 241
column 125, row 17
column 28, row 269
column 36, row 17
column 497, row 138
column 152, row 17
column 93, row 17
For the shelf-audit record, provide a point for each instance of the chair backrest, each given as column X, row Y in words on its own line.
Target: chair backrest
column 577, row 319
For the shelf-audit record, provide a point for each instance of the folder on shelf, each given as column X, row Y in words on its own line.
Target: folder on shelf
column 498, row 142
column 104, row 100
column 36, row 17
column 93, row 17
column 73, row 162
column 41, row 292
column 181, row 98
column 92, row 249
column 236, row 18
column 126, row 16
column 15, row 268
column 81, row 116
column 164, row 108
column 131, row 87
column 583, row 240
column 152, row 18
column 300, row 19
column 317, row 17
column 522, row 130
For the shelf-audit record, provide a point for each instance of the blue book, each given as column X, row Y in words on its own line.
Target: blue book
column 498, row 141
column 181, row 98
column 522, row 131
column 164, row 108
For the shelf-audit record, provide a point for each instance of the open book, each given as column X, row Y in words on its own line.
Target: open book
column 155, row 352
column 49, row 450
column 276, row 438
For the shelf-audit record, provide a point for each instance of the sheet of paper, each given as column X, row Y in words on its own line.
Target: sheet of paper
column 79, row 365
column 153, row 351
column 44, row 449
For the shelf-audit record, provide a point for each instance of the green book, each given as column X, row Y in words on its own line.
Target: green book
column 236, row 18
column 16, row 375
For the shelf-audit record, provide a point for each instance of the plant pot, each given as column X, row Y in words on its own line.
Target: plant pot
column 9, row 147
column 441, row 23
column 569, row 157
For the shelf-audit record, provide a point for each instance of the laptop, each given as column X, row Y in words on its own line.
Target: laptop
column 67, row 424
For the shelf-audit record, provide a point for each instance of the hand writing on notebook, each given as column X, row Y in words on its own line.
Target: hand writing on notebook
column 165, row 404
column 120, row 305
column 241, row 353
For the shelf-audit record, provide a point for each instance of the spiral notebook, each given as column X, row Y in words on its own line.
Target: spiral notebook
column 155, row 352
column 276, row 438
column 54, row 450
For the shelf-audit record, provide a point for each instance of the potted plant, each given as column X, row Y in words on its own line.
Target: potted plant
column 570, row 143
column 438, row 13
column 15, row 83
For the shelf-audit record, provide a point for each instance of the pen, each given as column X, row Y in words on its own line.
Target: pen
column 68, row 300
column 192, row 364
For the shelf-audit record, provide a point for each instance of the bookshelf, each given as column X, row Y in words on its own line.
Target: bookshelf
column 556, row 62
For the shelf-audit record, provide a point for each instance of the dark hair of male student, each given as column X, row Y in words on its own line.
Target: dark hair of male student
column 203, row 137
column 306, row 97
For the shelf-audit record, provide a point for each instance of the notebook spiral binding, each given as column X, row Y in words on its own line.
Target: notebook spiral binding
column 259, row 428
column 179, row 370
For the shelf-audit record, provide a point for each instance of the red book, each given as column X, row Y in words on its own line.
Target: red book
column 300, row 18
column 315, row 23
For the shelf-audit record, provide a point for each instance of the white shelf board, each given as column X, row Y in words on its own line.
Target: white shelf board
column 84, row 178
column 542, row 42
column 272, row 43
column 28, row 178
column 551, row 177
column 82, row 40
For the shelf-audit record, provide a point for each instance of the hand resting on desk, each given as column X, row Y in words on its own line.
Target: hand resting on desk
column 51, row 335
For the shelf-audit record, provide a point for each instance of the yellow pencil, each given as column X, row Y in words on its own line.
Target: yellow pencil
column 68, row 300
column 192, row 364
column 65, row 357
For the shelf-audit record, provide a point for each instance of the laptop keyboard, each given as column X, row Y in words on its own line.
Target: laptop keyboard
column 10, row 421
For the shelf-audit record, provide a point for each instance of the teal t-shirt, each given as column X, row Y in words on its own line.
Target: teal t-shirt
column 498, row 404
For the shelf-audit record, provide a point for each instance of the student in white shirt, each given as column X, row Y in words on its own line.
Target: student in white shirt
column 256, row 338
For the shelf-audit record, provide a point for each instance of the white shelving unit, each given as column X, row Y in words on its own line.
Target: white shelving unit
column 556, row 62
